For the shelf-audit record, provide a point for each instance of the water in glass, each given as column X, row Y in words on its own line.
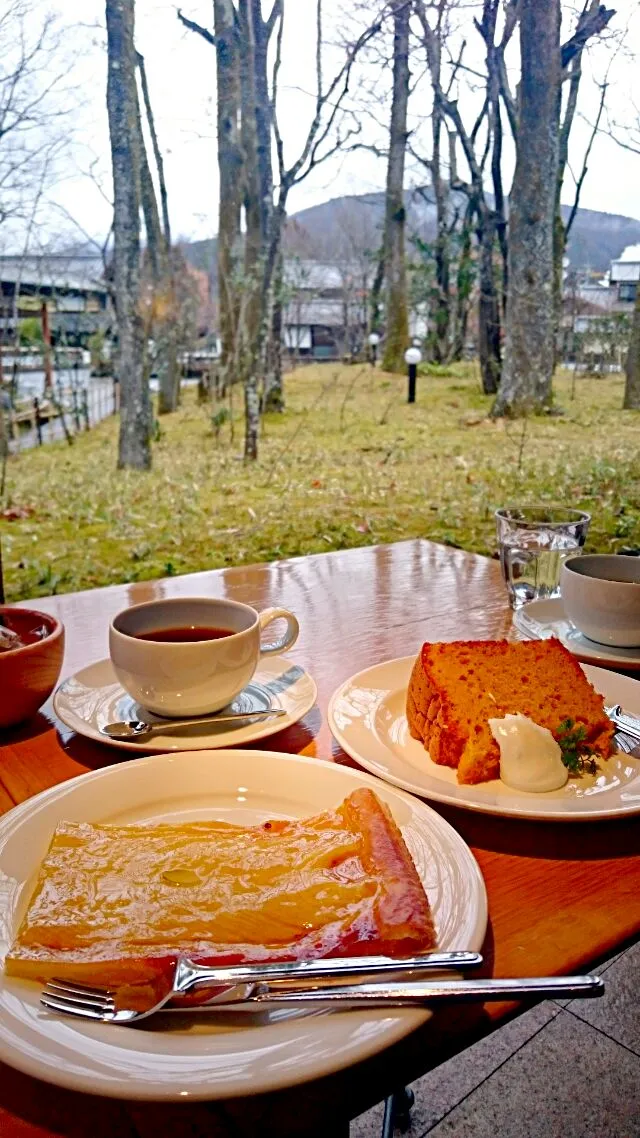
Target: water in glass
column 531, row 561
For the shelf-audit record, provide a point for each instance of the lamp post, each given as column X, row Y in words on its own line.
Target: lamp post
column 374, row 340
column 412, row 358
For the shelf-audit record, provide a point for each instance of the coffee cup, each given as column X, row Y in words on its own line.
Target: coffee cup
column 191, row 656
column 601, row 596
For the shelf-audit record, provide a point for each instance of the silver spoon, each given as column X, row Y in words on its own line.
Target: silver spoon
column 135, row 729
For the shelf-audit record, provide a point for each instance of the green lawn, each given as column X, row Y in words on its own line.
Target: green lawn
column 349, row 463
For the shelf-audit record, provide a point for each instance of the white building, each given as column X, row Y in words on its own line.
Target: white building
column 624, row 278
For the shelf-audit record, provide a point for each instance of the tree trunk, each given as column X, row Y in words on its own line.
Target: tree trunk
column 559, row 231
column 632, row 385
column 464, row 287
column 591, row 22
column 375, row 318
column 251, row 416
column 159, row 250
column 253, row 314
column 273, row 391
column 230, row 175
column 271, row 221
column 263, row 116
column 529, row 350
column 489, row 348
column 440, row 333
column 396, row 315
column 124, row 130
column 158, row 310
column 440, row 309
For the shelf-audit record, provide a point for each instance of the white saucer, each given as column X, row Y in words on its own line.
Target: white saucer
column 541, row 619
column 209, row 1056
column 94, row 697
column 367, row 717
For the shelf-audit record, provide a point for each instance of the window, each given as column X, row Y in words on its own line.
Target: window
column 627, row 291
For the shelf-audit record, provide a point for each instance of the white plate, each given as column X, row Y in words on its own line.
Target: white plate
column 541, row 619
column 94, row 697
column 215, row 1058
column 367, row 717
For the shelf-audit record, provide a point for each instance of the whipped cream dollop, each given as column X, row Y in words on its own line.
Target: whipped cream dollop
column 530, row 758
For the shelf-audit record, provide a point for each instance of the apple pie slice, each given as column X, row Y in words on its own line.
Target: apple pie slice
column 114, row 905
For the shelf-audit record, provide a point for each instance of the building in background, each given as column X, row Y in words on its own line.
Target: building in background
column 325, row 310
column 624, row 277
column 72, row 289
column 597, row 316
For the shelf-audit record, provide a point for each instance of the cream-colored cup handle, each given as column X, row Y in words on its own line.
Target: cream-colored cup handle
column 290, row 636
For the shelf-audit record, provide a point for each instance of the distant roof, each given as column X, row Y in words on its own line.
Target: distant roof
column 318, row 276
column 328, row 313
column 625, row 271
column 52, row 271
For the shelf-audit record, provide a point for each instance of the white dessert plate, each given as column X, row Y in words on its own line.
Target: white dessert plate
column 538, row 620
column 94, row 697
column 209, row 1056
column 367, row 717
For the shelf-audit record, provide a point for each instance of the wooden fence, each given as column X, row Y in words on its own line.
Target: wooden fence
column 62, row 413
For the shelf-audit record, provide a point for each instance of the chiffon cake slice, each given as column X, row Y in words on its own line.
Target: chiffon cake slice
column 455, row 688
column 114, row 906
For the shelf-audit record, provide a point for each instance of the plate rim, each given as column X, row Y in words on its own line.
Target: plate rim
column 152, row 747
column 405, row 1020
column 478, row 807
column 601, row 656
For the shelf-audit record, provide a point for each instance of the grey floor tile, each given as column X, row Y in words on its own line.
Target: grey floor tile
column 368, row 1125
column 617, row 1012
column 569, row 1081
column 440, row 1090
column 600, row 970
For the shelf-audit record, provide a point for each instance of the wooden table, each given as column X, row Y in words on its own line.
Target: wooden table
column 560, row 897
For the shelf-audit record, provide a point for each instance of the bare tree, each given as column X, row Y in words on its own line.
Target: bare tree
column 126, row 138
column 629, row 139
column 481, row 146
column 632, row 367
column 533, row 228
column 158, row 233
column 441, row 310
column 332, row 129
column 33, row 106
column 481, row 143
column 396, row 306
column 592, row 21
column 265, row 205
column 529, row 351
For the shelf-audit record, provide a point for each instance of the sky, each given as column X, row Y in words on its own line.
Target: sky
column 181, row 74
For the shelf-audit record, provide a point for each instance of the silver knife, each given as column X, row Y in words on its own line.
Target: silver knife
column 411, row 993
column 190, row 975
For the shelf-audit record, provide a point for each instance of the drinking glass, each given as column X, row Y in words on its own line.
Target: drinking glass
column 533, row 543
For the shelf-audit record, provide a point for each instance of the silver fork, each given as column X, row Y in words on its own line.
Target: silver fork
column 65, row 996
column 628, row 724
column 627, row 737
column 98, row 1004
column 627, row 744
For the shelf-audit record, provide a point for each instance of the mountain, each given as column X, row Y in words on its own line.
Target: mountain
column 325, row 230
column 595, row 240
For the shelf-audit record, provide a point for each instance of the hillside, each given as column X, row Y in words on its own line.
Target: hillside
column 596, row 238
column 322, row 230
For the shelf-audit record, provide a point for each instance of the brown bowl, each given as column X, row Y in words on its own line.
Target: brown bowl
column 28, row 675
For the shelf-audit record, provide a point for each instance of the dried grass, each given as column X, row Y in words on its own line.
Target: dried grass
column 349, row 463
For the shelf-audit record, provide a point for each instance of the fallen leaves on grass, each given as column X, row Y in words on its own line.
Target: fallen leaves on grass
column 319, row 485
column 15, row 513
